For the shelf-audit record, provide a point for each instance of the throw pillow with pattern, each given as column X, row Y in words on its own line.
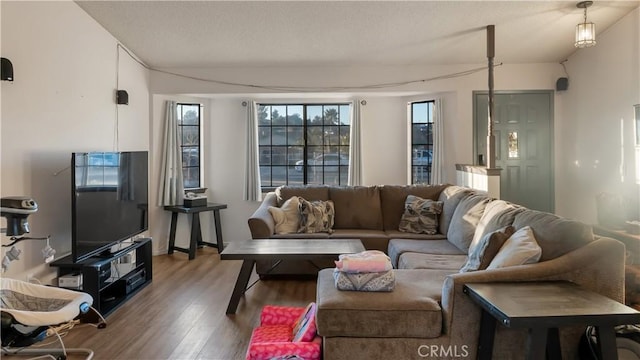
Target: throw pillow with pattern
column 420, row 215
column 316, row 216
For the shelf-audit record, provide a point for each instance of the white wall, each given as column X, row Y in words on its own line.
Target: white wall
column 604, row 84
column 384, row 121
column 62, row 100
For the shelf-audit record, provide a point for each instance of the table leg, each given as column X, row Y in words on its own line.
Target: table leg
column 487, row 334
column 553, row 344
column 218, row 228
column 607, row 342
column 172, row 232
column 241, row 285
column 537, row 344
column 195, row 235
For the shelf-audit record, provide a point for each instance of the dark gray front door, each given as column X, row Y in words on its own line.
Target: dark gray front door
column 524, row 144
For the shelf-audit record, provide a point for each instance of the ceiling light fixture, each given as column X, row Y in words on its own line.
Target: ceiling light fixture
column 585, row 31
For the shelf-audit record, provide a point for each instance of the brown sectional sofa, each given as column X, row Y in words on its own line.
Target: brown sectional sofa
column 428, row 315
column 368, row 213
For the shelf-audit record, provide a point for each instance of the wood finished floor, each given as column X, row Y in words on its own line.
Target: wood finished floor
column 181, row 314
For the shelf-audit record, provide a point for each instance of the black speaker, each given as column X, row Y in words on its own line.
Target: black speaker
column 6, row 69
column 562, row 84
column 122, row 97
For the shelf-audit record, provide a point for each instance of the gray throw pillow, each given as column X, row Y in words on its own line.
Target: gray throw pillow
column 420, row 215
column 481, row 253
column 316, row 216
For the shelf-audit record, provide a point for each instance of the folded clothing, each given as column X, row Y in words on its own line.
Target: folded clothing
column 371, row 281
column 373, row 261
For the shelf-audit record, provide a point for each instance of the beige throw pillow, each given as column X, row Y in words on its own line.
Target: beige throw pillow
column 481, row 253
column 286, row 217
column 316, row 216
column 520, row 248
column 420, row 215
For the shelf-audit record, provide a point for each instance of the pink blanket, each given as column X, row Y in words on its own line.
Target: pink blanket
column 364, row 262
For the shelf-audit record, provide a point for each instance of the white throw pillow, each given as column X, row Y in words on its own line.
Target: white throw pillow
column 519, row 249
column 286, row 217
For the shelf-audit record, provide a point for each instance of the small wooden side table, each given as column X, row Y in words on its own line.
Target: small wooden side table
column 632, row 268
column 632, row 286
column 196, row 233
column 631, row 241
column 543, row 307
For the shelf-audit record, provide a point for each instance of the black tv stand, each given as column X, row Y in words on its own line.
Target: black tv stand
column 111, row 279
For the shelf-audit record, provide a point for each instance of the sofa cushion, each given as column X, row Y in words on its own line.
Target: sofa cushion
column 393, row 197
column 286, row 217
column 482, row 252
column 439, row 247
column 397, row 234
column 318, row 235
column 519, row 249
column 357, row 207
column 420, row 216
column 498, row 214
column 555, row 235
column 358, row 234
column 410, row 310
column 465, row 220
column 450, row 198
column 309, row 192
column 316, row 216
column 413, row 260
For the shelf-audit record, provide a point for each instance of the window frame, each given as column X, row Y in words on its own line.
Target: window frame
column 427, row 146
column 291, row 165
column 198, row 147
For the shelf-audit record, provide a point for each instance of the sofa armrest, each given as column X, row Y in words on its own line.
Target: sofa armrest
column 261, row 222
column 597, row 266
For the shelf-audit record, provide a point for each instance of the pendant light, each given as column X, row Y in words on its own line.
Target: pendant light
column 585, row 31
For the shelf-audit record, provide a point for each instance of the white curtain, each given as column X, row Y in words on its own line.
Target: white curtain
column 171, row 183
column 252, row 187
column 355, row 146
column 437, row 170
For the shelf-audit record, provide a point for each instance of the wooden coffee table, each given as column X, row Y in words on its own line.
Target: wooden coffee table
column 543, row 307
column 281, row 249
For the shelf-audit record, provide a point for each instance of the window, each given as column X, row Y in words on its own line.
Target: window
column 421, row 141
column 189, row 129
column 303, row 144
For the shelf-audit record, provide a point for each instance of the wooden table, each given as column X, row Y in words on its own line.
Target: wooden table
column 196, row 234
column 631, row 241
column 632, row 268
column 543, row 307
column 281, row 249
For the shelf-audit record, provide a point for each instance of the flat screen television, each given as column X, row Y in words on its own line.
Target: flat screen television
column 109, row 200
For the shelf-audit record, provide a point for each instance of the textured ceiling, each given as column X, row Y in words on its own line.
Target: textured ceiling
column 178, row 34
